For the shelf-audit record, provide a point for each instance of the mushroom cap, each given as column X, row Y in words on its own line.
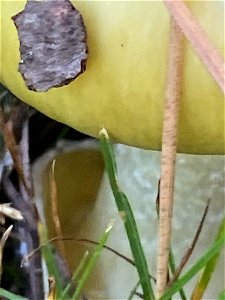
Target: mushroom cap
column 123, row 88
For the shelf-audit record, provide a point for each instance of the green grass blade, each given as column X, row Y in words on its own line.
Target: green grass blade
column 208, row 270
column 222, row 295
column 48, row 254
column 64, row 294
column 214, row 250
column 129, row 221
column 172, row 266
column 91, row 263
column 10, row 296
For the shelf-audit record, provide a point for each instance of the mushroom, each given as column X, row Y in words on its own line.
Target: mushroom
column 123, row 86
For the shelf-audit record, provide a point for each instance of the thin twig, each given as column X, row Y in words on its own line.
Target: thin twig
column 13, row 128
column 169, row 144
column 17, row 118
column 139, row 295
column 189, row 251
column 25, row 159
column 127, row 259
column 58, row 238
column 188, row 24
column 9, row 138
column 52, row 240
column 54, row 207
column 133, row 291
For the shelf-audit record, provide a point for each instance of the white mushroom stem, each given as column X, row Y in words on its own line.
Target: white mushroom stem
column 169, row 143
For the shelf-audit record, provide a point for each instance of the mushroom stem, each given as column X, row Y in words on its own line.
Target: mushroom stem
column 169, row 145
column 207, row 52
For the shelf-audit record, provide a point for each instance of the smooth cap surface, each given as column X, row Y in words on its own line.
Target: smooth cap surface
column 123, row 86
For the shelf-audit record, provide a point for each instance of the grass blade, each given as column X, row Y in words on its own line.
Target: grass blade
column 91, row 263
column 213, row 250
column 75, row 275
column 222, row 295
column 48, row 254
column 10, row 296
column 128, row 217
column 172, row 267
column 208, row 270
column 127, row 259
column 132, row 293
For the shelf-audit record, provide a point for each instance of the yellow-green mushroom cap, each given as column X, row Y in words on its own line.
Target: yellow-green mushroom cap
column 123, row 87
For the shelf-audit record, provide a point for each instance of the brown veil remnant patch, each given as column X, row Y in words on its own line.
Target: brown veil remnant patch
column 53, row 45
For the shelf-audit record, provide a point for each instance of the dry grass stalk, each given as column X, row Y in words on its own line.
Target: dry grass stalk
column 52, row 291
column 169, row 144
column 7, row 210
column 190, row 250
column 25, row 159
column 9, row 138
column 17, row 151
column 207, row 52
column 2, row 244
column 54, row 208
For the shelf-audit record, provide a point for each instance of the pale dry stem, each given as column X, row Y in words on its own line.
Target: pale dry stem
column 54, row 208
column 207, row 52
column 169, row 144
column 2, row 245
